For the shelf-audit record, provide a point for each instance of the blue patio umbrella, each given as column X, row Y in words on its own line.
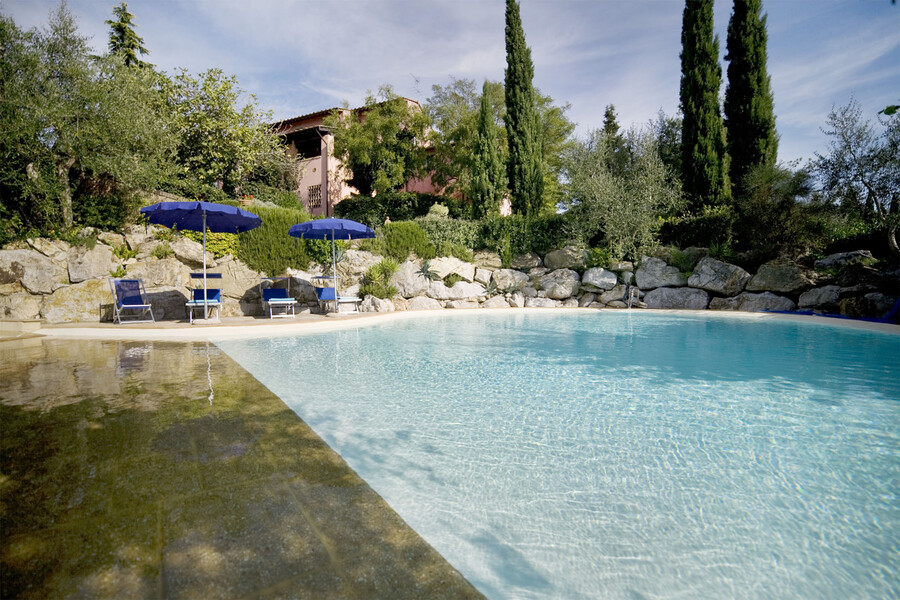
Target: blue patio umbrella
column 331, row 229
column 202, row 216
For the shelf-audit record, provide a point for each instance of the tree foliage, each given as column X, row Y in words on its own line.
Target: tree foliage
column 488, row 171
column 523, row 126
column 73, row 120
column 625, row 207
column 382, row 145
column 704, row 158
column 862, row 167
column 219, row 141
column 749, row 105
column 124, row 42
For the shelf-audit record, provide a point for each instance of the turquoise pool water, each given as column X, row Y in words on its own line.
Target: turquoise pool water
column 619, row 454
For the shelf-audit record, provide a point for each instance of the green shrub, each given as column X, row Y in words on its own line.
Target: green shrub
column 268, row 193
column 452, row 279
column 218, row 243
column 711, row 225
column 451, row 237
column 405, row 237
column 118, row 272
column 270, row 249
column 427, row 272
column 164, row 250
column 539, row 234
column 598, row 257
column 377, row 281
column 195, row 190
column 399, row 206
column 438, row 211
column 123, row 252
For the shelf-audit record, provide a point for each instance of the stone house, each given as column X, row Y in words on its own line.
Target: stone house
column 322, row 176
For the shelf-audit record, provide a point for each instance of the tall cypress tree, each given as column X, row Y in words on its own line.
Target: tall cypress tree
column 122, row 38
column 749, row 107
column 523, row 124
column 704, row 157
column 488, row 172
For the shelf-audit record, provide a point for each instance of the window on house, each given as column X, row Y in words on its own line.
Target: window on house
column 315, row 196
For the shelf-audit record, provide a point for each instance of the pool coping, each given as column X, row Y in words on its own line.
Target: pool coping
column 242, row 328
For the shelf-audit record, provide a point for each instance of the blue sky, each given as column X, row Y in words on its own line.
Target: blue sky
column 300, row 56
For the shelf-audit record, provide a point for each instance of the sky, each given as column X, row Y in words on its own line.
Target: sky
column 302, row 56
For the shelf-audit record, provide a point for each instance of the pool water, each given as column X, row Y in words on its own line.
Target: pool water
column 615, row 454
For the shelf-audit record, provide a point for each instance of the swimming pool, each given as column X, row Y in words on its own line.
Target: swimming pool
column 618, row 454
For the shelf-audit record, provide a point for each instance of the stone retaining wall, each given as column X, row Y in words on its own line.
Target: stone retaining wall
column 56, row 282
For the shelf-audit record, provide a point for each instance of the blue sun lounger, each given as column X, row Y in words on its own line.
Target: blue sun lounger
column 213, row 297
column 277, row 299
column 327, row 295
column 130, row 301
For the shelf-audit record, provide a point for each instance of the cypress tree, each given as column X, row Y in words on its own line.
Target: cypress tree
column 488, row 173
column 523, row 124
column 704, row 158
column 122, row 38
column 749, row 107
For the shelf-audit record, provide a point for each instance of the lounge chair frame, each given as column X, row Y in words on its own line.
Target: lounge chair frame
column 327, row 295
column 277, row 299
column 129, row 296
column 213, row 298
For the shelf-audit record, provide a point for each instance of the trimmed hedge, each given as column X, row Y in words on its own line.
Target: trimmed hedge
column 399, row 206
column 270, row 249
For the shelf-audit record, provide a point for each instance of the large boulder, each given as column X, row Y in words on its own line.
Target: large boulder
column 617, row 293
column 373, row 304
column 526, row 261
column 780, row 275
column 510, row 279
column 462, row 304
column 302, row 288
column 168, row 302
column 462, row 290
column 596, row 279
column 496, row 302
column 542, row 303
column 37, row 273
column 83, row 301
column 166, row 272
column 516, row 300
column 826, row 295
column 560, row 284
column 483, row 276
column 424, row 303
column 719, row 277
column 191, row 253
column 682, row 298
column 844, row 258
column 20, row 306
column 55, row 250
column 621, row 265
column 353, row 266
column 447, row 265
column 408, row 280
column 655, row 273
column 569, row 257
column 239, row 281
column 488, row 260
column 85, row 263
column 749, row 302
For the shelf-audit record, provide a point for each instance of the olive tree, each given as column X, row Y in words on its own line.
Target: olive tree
column 624, row 204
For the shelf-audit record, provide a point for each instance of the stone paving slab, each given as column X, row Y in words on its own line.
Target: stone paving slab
column 141, row 469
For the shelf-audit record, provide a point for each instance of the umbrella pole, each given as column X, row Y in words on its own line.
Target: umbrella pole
column 205, row 299
column 337, row 307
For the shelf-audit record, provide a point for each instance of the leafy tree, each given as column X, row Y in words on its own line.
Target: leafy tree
column 123, row 41
column 72, row 119
column 381, row 145
column 488, row 172
column 617, row 154
column 454, row 112
column 523, row 127
column 667, row 131
column 704, row 159
column 625, row 208
column 769, row 215
column 862, row 167
column 749, row 106
column 219, row 140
